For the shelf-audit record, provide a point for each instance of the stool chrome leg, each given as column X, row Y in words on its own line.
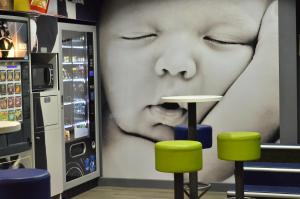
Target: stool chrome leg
column 178, row 186
column 193, row 185
column 202, row 189
column 239, row 180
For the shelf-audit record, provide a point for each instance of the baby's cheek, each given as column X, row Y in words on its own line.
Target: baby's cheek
column 243, row 57
column 245, row 54
column 232, row 63
column 236, row 59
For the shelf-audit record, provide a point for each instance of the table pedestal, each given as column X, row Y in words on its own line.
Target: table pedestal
column 192, row 135
column 193, row 176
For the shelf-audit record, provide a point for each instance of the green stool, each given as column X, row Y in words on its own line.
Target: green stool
column 178, row 157
column 239, row 147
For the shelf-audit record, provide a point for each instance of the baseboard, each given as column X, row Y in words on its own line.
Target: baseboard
column 158, row 184
column 68, row 194
column 121, row 182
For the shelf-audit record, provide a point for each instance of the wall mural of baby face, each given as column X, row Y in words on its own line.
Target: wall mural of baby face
column 150, row 49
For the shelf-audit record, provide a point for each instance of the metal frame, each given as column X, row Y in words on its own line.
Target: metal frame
column 274, row 153
column 22, row 148
column 82, row 28
column 288, row 80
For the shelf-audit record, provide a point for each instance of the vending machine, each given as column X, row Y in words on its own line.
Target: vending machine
column 15, row 99
column 47, row 135
column 80, row 103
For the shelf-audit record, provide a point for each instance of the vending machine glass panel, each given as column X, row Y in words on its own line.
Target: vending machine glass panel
column 79, row 103
column 75, row 83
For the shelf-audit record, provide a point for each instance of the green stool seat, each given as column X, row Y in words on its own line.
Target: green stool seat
column 178, row 156
column 239, row 146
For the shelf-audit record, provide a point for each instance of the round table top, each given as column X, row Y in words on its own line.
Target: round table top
column 192, row 98
column 9, row 126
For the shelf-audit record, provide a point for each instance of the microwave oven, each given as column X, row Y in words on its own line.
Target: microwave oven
column 42, row 77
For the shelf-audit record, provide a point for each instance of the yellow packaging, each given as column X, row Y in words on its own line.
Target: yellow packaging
column 22, row 5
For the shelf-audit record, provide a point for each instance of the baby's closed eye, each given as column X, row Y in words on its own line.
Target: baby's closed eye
column 224, row 41
column 230, row 35
column 139, row 36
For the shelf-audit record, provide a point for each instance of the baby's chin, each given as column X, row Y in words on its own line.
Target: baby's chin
column 157, row 132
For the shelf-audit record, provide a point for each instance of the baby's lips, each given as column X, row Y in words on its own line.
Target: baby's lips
column 168, row 117
column 182, row 105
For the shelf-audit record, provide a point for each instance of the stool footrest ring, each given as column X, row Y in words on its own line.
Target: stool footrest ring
column 202, row 188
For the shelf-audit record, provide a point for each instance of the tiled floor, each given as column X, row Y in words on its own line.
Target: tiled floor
column 137, row 193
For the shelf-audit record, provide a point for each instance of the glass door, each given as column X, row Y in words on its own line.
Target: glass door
column 75, row 85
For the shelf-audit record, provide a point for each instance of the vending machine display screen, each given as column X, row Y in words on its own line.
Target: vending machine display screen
column 13, row 39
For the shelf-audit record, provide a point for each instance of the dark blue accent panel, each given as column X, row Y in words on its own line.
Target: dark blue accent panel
column 25, row 183
column 270, row 178
column 204, row 134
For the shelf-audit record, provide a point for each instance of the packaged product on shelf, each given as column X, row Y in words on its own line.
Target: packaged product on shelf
column 6, row 4
column 74, row 59
column 17, row 75
column 10, row 89
column 18, row 101
column 17, row 88
column 11, row 102
column 21, row 5
column 81, row 88
column 75, row 72
column 10, row 75
column 11, row 115
column 66, row 74
column 3, row 116
column 18, row 114
column 82, row 73
column 2, row 89
column 66, row 59
column 3, row 103
column 39, row 5
column 2, row 75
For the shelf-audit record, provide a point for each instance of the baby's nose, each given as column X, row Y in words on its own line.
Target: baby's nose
column 176, row 65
